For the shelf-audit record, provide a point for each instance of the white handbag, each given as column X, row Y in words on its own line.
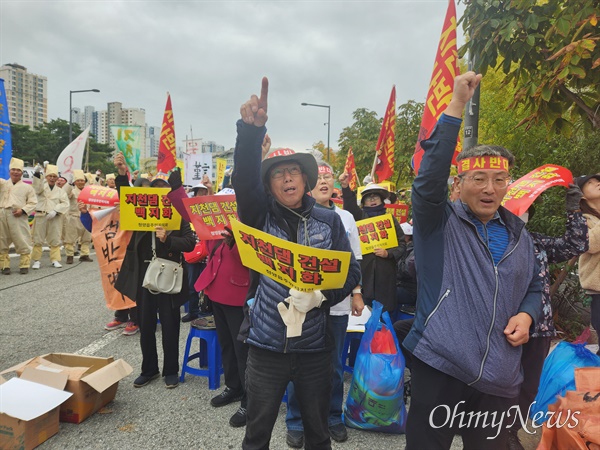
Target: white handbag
column 163, row 276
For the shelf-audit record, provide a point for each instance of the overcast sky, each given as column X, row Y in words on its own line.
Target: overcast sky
column 211, row 55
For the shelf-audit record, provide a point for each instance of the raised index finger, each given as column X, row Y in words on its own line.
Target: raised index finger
column 264, row 91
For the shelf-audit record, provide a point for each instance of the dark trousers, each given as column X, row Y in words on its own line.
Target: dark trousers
column 267, row 375
column 402, row 328
column 532, row 361
column 148, row 306
column 127, row 315
column 293, row 420
column 228, row 320
column 431, row 425
column 596, row 315
column 193, row 273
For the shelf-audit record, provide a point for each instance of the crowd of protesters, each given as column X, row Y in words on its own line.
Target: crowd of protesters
column 474, row 281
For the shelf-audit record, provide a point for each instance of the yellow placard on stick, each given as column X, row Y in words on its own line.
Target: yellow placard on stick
column 377, row 232
column 143, row 209
column 296, row 266
column 221, row 168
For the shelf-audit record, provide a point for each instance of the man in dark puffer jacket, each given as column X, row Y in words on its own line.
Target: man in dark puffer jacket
column 271, row 196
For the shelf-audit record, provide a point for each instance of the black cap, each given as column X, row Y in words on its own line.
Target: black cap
column 580, row 181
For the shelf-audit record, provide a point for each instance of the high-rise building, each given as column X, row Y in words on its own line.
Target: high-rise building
column 76, row 116
column 153, row 141
column 212, row 147
column 99, row 126
column 26, row 95
column 87, row 117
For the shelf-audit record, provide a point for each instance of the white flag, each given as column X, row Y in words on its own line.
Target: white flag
column 71, row 157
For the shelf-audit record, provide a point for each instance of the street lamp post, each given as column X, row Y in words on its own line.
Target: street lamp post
column 328, row 121
column 71, row 110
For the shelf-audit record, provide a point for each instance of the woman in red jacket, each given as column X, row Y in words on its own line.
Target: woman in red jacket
column 225, row 281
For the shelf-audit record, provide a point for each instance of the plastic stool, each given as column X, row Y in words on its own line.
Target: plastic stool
column 351, row 344
column 403, row 316
column 209, row 356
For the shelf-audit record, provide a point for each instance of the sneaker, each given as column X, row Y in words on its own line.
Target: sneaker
column 204, row 323
column 513, row 440
column 113, row 325
column 130, row 329
column 143, row 380
column 338, row 432
column 226, row 397
column 85, row 258
column 6, row 271
column 239, row 418
column 295, row 438
column 24, row 270
column 189, row 317
column 36, row 265
column 56, row 264
column 69, row 260
column 171, row 381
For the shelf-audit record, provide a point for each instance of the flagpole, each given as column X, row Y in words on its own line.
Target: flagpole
column 374, row 167
column 357, row 179
column 87, row 154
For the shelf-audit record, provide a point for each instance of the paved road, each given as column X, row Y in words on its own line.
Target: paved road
column 63, row 310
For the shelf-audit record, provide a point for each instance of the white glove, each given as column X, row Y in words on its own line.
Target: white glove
column 305, row 301
column 292, row 318
column 38, row 168
column 51, row 215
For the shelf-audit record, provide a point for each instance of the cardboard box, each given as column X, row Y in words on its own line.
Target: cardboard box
column 92, row 380
column 29, row 410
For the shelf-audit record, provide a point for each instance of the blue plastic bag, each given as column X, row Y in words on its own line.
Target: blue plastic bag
column 376, row 398
column 558, row 376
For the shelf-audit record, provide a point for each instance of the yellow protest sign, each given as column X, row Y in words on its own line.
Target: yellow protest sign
column 377, row 232
column 293, row 265
column 181, row 166
column 221, row 167
column 142, row 209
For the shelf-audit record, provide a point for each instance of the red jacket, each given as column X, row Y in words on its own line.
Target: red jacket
column 225, row 280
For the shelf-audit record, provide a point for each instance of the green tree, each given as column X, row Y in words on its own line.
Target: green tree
column 362, row 137
column 408, row 123
column 47, row 141
column 322, row 149
column 532, row 148
column 548, row 51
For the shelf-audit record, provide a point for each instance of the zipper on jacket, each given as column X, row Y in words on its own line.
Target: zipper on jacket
column 446, row 294
column 487, row 347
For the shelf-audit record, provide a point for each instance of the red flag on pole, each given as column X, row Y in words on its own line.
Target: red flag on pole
column 384, row 159
column 350, row 169
column 441, row 86
column 167, row 158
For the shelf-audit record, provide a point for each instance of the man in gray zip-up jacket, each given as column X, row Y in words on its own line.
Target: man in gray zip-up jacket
column 478, row 292
column 271, row 196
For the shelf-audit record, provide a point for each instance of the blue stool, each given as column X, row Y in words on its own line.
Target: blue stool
column 209, row 356
column 351, row 344
column 403, row 316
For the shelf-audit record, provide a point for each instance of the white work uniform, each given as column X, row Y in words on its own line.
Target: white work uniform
column 45, row 230
column 14, row 197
